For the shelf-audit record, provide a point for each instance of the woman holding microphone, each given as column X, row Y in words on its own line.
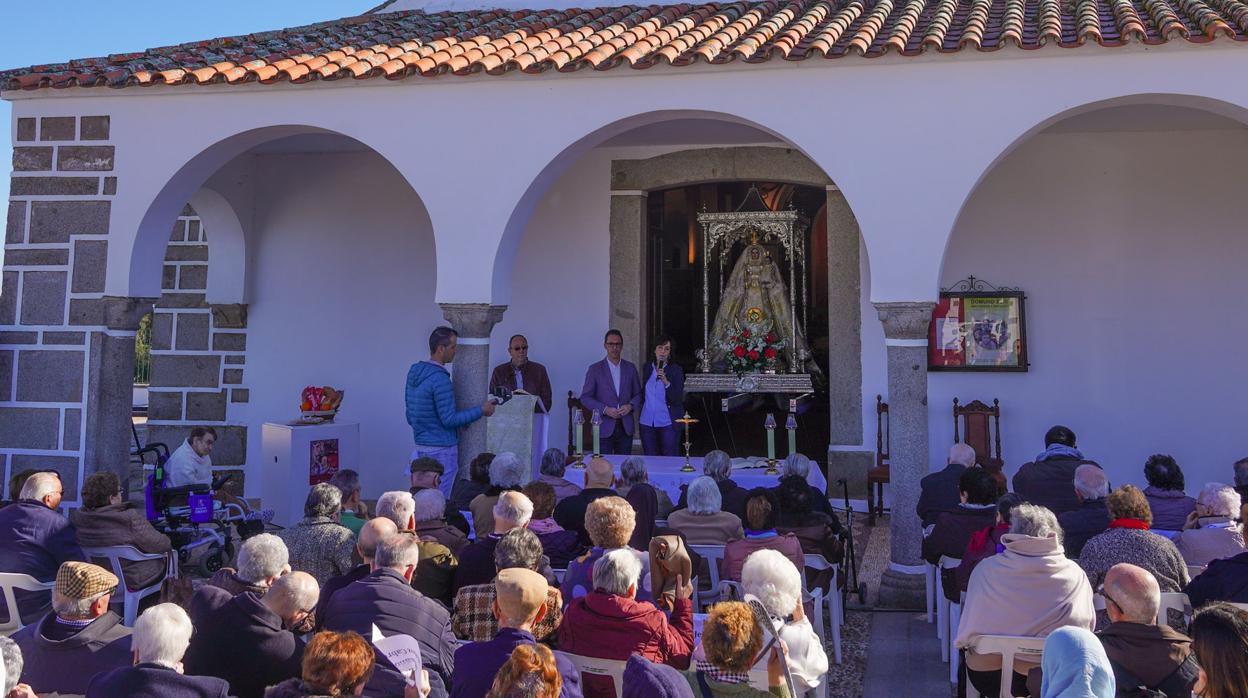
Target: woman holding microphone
column 663, row 402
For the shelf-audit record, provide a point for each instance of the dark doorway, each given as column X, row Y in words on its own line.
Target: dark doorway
column 674, row 283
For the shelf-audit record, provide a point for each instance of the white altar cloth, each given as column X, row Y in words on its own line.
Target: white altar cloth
column 665, row 473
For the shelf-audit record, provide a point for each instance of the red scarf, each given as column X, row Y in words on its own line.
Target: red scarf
column 1129, row 523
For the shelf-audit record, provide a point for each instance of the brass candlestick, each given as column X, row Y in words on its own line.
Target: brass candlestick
column 687, row 420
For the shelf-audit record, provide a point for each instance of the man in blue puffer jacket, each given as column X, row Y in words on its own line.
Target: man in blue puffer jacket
column 431, row 407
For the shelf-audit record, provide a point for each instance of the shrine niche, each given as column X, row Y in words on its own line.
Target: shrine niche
column 757, row 342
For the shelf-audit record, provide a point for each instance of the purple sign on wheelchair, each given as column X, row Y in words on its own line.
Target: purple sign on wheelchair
column 201, row 507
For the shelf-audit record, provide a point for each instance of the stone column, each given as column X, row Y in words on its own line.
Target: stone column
column 628, row 272
column 848, row 456
column 470, row 373
column 110, row 387
column 905, row 335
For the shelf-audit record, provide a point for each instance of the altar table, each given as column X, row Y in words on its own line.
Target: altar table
column 665, row 473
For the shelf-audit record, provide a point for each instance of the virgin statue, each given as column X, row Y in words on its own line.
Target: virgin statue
column 756, row 299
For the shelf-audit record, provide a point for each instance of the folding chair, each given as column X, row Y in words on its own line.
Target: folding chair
column 1009, row 647
column 714, row 555
column 592, row 666
column 1193, row 571
column 131, row 597
column 836, row 611
column 9, row 581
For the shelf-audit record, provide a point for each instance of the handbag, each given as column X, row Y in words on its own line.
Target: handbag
column 669, row 559
column 175, row 588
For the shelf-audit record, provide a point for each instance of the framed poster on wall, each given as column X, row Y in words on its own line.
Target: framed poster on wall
column 322, row 460
column 978, row 327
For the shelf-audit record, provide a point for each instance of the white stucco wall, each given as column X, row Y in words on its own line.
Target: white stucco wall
column 1130, row 247
column 342, row 294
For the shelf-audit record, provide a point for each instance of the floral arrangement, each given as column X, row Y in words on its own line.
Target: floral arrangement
column 752, row 350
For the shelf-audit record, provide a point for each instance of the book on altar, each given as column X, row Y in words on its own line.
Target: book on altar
column 403, row 652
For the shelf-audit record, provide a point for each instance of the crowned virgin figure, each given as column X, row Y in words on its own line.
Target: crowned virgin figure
column 756, row 299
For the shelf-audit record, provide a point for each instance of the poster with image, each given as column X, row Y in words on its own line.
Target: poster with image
column 972, row 331
column 323, row 460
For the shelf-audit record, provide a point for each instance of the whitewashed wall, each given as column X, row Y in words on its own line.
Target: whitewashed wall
column 1131, row 249
column 342, row 284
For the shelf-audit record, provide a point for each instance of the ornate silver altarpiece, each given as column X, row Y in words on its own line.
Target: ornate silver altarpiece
column 720, row 233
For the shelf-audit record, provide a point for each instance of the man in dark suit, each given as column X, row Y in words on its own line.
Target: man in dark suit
column 161, row 636
column 35, row 539
column 613, row 387
column 522, row 374
column 939, row 491
column 245, row 639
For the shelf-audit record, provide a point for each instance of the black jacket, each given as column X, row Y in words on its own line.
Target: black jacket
column 570, row 513
column 155, row 681
column 1222, row 580
column 240, row 640
column 1091, row 518
column 1050, row 483
column 66, row 666
column 384, row 599
column 333, row 586
column 123, row 524
column 938, row 492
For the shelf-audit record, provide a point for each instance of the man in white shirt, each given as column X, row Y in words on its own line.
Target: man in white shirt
column 191, row 463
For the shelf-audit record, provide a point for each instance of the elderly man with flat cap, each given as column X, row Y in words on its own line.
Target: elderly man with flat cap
column 519, row 603
column 79, row 638
column 427, row 475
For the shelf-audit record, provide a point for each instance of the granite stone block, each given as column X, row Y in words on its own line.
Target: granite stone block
column 43, row 297
column 90, row 265
column 55, row 221
column 50, row 375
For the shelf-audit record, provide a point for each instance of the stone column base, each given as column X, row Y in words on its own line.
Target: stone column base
column 903, row 590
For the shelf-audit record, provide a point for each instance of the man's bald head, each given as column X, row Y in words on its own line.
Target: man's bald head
column 962, row 454
column 599, row 473
column 371, row 534
column 292, row 597
column 1134, row 591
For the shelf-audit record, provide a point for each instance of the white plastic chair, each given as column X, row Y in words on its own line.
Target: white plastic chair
column 1193, row 571
column 929, row 571
column 9, row 581
column 592, row 666
column 1240, row 606
column 559, row 573
column 942, row 608
column 130, row 599
column 1009, row 647
column 1177, row 601
column 467, row 514
column 955, row 617
column 832, row 599
column 714, row 556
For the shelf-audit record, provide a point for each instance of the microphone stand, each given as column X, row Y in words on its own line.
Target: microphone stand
column 851, row 580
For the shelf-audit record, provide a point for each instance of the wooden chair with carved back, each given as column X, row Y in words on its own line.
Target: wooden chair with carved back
column 877, row 475
column 979, row 426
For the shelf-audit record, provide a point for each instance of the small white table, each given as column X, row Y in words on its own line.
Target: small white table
column 665, row 473
column 286, row 462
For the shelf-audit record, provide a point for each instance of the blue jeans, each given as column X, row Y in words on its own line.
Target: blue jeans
column 448, row 456
column 660, row 441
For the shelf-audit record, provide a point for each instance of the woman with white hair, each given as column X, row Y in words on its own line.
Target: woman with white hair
column 507, row 473
column 552, row 470
column 770, row 576
column 648, row 501
column 161, row 635
column 1211, row 532
column 633, row 472
column 717, row 465
column 797, row 468
column 703, row 522
column 1030, row 589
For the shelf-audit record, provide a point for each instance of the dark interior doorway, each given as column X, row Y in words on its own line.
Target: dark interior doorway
column 674, row 283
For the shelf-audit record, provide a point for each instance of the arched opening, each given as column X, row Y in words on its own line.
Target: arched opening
column 1121, row 222
column 586, row 236
column 321, row 273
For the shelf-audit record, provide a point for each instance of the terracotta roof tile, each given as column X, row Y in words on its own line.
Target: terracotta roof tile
column 401, row 44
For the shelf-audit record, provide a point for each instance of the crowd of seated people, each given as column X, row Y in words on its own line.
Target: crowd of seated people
column 297, row 613
column 1039, row 557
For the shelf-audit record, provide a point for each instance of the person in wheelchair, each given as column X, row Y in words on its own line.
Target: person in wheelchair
column 190, row 467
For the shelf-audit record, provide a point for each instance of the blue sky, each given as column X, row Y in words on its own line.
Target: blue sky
column 33, row 33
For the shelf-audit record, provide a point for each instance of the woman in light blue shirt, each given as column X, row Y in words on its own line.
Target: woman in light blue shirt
column 663, row 402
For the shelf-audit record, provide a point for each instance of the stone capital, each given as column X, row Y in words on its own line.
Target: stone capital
column 125, row 313
column 472, row 319
column 905, row 319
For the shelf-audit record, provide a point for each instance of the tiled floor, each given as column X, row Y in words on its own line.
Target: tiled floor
column 904, row 658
